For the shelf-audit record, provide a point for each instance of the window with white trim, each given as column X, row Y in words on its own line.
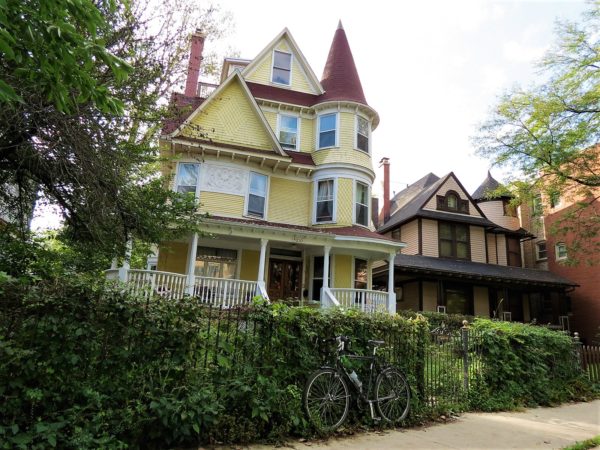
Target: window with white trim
column 257, row 195
column 362, row 134
column 282, row 68
column 560, row 250
column 327, row 130
column 288, row 132
column 361, row 202
column 216, row 262
column 540, row 251
column 187, row 178
column 325, row 203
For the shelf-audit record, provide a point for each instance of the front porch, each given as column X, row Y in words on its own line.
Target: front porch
column 243, row 259
column 233, row 292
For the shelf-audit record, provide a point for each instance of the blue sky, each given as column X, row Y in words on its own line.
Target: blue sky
column 431, row 69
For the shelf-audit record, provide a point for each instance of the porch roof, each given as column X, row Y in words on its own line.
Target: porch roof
column 478, row 271
column 354, row 232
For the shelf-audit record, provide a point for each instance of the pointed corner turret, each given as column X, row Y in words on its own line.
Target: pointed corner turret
column 340, row 78
column 488, row 187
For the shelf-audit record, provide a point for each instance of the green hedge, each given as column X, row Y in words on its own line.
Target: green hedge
column 88, row 366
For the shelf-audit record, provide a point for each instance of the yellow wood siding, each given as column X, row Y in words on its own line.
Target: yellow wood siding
column 289, row 201
column 272, row 119
column 410, row 297
column 430, row 296
column 409, row 234
column 307, row 135
column 172, row 257
column 345, row 151
column 219, row 204
column 477, row 235
column 231, row 118
column 491, row 248
column 262, row 73
column 342, row 277
column 430, row 238
column 481, row 302
column 344, row 202
column 249, row 265
column 451, row 185
column 494, row 210
column 502, row 250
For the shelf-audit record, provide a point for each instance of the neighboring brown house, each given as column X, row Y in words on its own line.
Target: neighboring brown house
column 463, row 254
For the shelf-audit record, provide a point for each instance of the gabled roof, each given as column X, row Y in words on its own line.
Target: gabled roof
column 340, row 78
column 312, row 78
column 489, row 185
column 414, row 198
column 234, row 77
column 478, row 271
column 404, row 196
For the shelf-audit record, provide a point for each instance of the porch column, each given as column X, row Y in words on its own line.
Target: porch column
column 124, row 269
column 262, row 259
column 191, row 264
column 326, row 251
column 369, row 274
column 391, row 293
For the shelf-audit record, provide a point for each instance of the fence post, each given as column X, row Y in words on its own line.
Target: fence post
column 577, row 346
column 422, row 335
column 464, row 331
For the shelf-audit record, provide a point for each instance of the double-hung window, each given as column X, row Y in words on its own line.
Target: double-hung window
column 540, row 251
column 362, row 204
column 454, row 240
column 327, row 130
column 187, row 178
column 288, row 132
column 282, row 68
column 257, row 194
column 362, row 134
column 560, row 250
column 325, row 201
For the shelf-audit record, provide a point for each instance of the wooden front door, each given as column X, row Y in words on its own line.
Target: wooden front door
column 285, row 278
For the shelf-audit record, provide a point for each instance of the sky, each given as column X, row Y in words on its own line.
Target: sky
column 431, row 69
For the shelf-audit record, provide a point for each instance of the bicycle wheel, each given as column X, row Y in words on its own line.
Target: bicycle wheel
column 326, row 399
column 392, row 395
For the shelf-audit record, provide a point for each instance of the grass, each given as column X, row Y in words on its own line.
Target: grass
column 585, row 445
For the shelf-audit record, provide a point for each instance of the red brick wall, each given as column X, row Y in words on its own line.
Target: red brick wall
column 585, row 299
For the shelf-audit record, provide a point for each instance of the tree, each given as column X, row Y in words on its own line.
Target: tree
column 83, row 91
column 549, row 132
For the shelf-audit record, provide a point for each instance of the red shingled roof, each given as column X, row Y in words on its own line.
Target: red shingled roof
column 340, row 78
column 282, row 95
column 353, row 231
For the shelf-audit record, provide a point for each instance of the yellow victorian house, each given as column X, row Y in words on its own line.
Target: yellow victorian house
column 282, row 163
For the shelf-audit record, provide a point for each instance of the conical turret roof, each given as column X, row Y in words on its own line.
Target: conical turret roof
column 340, row 77
column 489, row 185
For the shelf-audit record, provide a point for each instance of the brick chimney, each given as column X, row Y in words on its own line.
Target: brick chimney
column 191, row 84
column 385, row 162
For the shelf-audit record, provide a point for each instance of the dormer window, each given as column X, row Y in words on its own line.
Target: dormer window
column 452, row 202
column 282, row 68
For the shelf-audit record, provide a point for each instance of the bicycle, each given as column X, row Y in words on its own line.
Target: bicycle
column 326, row 397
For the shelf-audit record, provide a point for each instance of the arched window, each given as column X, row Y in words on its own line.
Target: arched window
column 453, row 203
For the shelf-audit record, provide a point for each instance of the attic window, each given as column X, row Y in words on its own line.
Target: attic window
column 452, row 202
column 282, row 68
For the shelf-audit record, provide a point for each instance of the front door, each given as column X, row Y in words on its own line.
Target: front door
column 285, row 278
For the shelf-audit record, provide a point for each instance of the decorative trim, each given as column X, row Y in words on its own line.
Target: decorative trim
column 224, row 179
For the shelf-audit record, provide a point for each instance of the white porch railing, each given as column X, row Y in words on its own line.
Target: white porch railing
column 166, row 284
column 328, row 299
column 220, row 291
column 363, row 299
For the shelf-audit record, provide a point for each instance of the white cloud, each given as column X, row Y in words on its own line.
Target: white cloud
column 518, row 52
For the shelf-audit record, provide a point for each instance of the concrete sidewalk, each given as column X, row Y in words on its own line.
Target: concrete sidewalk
column 532, row 429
